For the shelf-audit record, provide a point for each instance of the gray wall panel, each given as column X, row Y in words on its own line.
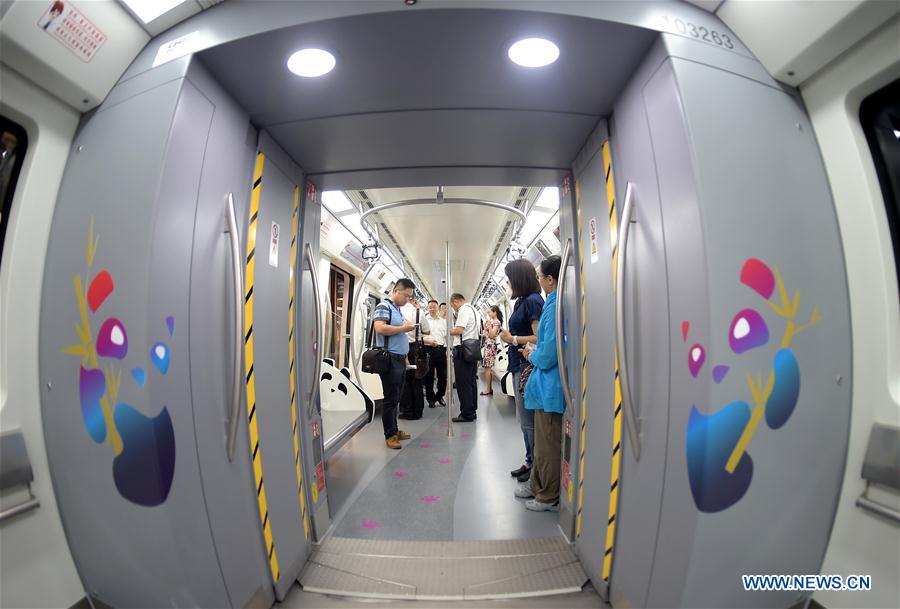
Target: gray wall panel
column 646, row 336
column 136, row 175
column 230, row 493
column 767, row 198
column 466, row 137
column 598, row 284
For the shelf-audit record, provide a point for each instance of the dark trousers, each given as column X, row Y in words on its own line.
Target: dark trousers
column 437, row 367
column 391, row 384
column 412, row 398
column 466, row 385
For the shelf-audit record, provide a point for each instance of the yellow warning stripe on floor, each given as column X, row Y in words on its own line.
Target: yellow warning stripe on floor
column 249, row 275
column 617, row 403
column 294, row 418
column 582, row 443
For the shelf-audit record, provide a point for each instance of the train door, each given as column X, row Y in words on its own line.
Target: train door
column 168, row 303
column 273, row 406
column 570, row 335
column 733, row 312
column 310, row 350
column 600, row 419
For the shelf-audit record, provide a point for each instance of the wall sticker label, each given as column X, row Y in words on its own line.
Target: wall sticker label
column 72, row 29
column 273, row 245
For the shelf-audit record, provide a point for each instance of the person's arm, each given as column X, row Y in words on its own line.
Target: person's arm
column 385, row 329
column 493, row 332
column 544, row 355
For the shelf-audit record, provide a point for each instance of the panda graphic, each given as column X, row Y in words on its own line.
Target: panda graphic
column 339, row 392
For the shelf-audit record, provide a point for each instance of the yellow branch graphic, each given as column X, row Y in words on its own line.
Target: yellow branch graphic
column 86, row 351
column 760, row 394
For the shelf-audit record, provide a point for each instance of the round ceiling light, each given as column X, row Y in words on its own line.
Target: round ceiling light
column 533, row 52
column 311, row 62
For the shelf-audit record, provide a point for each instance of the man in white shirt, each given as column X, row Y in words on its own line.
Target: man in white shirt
column 465, row 328
column 437, row 351
column 412, row 399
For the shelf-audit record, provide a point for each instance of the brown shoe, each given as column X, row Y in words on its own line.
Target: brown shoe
column 402, row 435
column 393, row 442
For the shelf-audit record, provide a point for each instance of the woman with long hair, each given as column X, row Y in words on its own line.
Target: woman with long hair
column 523, row 324
column 492, row 326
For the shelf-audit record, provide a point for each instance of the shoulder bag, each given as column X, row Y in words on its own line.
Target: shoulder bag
column 471, row 348
column 422, row 357
column 375, row 360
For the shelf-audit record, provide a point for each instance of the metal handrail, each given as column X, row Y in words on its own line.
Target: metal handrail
column 411, row 202
column 879, row 508
column 314, row 275
column 353, row 309
column 238, row 321
column 20, row 508
column 622, row 246
column 560, row 346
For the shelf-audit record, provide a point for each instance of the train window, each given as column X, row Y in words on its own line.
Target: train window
column 879, row 116
column 13, row 143
column 340, row 291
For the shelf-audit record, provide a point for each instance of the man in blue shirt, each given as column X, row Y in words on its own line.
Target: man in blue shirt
column 391, row 328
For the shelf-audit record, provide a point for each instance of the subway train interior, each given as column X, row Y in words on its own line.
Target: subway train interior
column 213, row 210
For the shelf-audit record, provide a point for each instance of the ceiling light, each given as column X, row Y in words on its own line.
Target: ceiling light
column 148, row 10
column 533, row 52
column 336, row 201
column 311, row 62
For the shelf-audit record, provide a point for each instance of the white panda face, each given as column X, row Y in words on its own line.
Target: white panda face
column 338, row 392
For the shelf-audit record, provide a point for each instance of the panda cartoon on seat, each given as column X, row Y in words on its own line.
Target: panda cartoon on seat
column 338, row 391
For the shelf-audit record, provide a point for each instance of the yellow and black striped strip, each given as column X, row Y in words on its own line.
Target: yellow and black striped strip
column 249, row 275
column 617, row 403
column 294, row 418
column 582, row 444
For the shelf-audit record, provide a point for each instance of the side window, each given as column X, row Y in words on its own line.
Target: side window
column 879, row 116
column 13, row 143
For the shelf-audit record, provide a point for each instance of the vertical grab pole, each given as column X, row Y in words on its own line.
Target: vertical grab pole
column 448, row 346
column 355, row 307
column 314, row 275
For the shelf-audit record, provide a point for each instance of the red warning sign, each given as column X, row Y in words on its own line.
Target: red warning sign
column 72, row 29
column 320, row 476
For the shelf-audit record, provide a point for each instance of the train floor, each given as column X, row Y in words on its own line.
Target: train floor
column 438, row 488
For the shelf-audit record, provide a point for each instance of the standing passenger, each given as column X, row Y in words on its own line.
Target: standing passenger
column 544, row 396
column 465, row 328
column 492, row 326
column 412, row 398
column 523, row 323
column 390, row 326
column 442, row 309
column 437, row 350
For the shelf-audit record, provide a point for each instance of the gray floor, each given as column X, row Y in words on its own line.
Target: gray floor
column 455, row 489
column 436, row 488
column 444, row 570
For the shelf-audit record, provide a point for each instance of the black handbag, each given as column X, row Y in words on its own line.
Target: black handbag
column 375, row 360
column 422, row 357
